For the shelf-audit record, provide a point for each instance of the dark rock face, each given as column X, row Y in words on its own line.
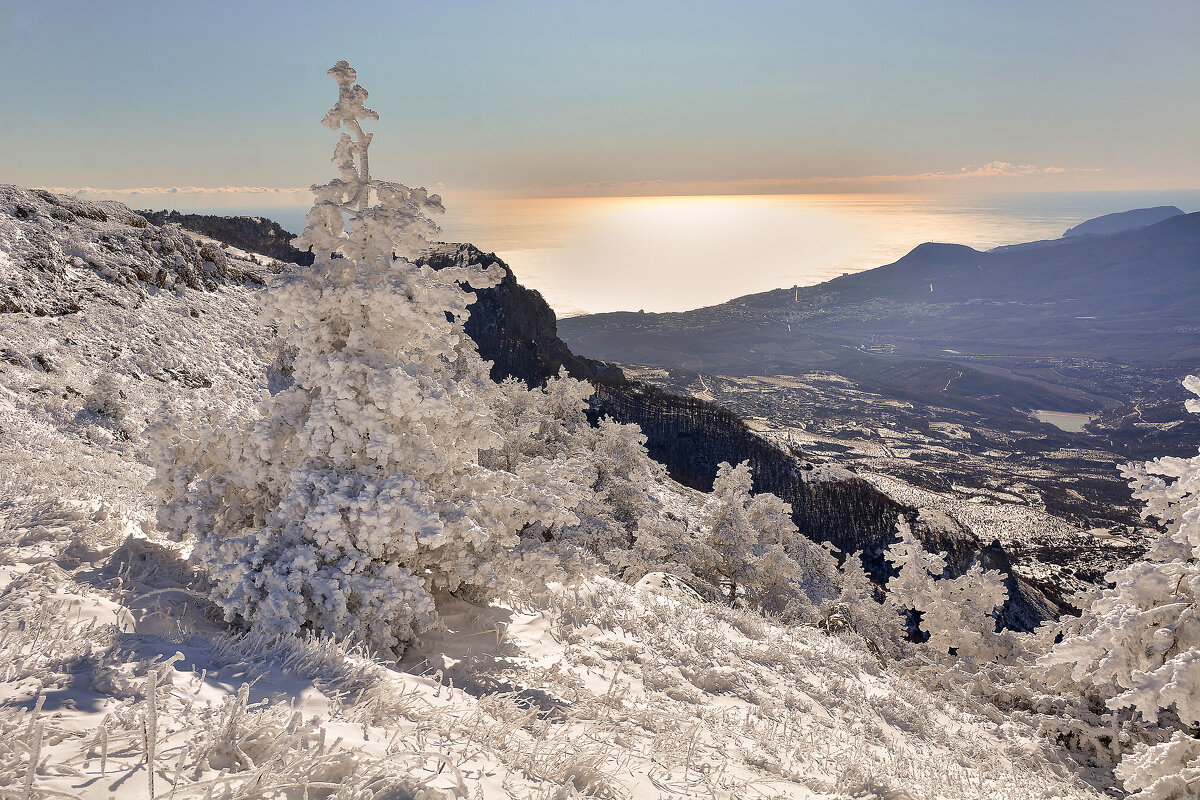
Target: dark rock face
column 514, row 328
column 254, row 234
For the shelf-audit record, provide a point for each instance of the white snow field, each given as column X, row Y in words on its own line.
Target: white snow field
column 118, row 680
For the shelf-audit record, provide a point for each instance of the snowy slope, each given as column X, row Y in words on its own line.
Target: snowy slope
column 117, row 681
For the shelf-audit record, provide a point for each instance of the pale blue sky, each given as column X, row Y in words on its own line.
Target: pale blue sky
column 548, row 97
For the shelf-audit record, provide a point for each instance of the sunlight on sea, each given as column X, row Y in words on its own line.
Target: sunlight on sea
column 588, row 255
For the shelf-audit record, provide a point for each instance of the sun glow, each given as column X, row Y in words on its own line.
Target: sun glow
column 679, row 253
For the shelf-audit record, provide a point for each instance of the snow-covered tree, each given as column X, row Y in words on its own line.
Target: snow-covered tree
column 753, row 545
column 957, row 613
column 961, row 614
column 1137, row 644
column 546, row 423
column 729, row 532
column 661, row 543
column 625, row 479
column 355, row 494
column 916, row 567
column 602, row 474
column 1167, row 771
column 857, row 609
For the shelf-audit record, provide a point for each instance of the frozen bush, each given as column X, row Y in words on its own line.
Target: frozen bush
column 108, row 397
column 1137, row 644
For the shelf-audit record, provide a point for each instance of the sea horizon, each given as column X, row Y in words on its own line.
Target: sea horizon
column 677, row 253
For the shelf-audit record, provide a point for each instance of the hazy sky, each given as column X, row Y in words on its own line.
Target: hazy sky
column 561, row 97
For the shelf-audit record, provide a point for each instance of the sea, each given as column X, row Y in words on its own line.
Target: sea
column 590, row 255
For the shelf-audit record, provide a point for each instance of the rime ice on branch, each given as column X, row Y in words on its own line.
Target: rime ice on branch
column 1137, row 643
column 397, row 225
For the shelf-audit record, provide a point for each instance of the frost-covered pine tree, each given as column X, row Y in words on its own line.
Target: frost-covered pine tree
column 911, row 588
column 359, row 491
column 916, row 569
column 625, row 479
column 1137, row 644
column 602, row 474
column 730, row 535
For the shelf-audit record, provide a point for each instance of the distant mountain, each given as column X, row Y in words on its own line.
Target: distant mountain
column 950, row 338
column 1123, row 221
column 1128, row 298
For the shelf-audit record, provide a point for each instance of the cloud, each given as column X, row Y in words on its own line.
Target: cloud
column 993, row 170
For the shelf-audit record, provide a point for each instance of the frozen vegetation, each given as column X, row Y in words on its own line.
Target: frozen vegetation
column 293, row 542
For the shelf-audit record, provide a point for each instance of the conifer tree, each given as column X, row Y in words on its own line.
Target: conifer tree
column 957, row 613
column 753, row 546
column 357, row 493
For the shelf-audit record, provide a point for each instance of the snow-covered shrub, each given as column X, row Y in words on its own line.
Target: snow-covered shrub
column 359, row 490
column 958, row 614
column 1167, row 771
column 662, row 543
column 751, row 544
column 858, row 609
column 109, row 403
column 1137, row 644
column 108, row 396
column 603, row 474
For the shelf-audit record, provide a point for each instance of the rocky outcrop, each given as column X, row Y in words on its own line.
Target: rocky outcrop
column 252, row 234
column 514, row 327
column 59, row 253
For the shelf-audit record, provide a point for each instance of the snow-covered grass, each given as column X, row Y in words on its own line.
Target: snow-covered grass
column 601, row 689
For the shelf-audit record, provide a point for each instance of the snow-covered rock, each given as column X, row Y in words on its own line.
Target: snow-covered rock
column 59, row 253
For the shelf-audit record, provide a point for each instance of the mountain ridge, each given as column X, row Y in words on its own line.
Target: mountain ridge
column 941, row 297
column 1123, row 220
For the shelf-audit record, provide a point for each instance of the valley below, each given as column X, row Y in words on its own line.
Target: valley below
column 927, row 377
column 1055, row 501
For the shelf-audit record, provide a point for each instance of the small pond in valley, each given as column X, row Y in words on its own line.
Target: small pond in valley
column 1064, row 420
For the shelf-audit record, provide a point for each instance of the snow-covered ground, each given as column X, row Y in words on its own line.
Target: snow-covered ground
column 115, row 684
column 116, row 680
